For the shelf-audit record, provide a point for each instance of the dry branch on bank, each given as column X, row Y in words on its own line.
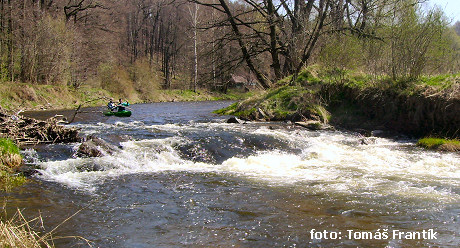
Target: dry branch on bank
column 29, row 131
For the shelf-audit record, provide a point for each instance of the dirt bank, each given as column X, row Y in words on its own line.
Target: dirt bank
column 414, row 108
column 422, row 113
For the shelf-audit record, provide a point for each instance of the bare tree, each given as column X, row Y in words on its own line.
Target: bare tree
column 289, row 31
column 193, row 11
column 74, row 8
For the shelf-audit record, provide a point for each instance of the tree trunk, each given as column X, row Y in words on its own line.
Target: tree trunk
column 194, row 15
column 264, row 82
column 273, row 40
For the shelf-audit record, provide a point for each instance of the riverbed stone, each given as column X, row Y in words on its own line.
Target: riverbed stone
column 27, row 170
column 96, row 147
column 312, row 125
column 235, row 120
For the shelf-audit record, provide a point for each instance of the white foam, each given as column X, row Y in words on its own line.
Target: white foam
column 329, row 162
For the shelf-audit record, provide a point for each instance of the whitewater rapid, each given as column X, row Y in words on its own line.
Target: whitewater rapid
column 328, row 161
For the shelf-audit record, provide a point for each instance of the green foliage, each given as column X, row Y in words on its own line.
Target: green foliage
column 106, row 74
column 416, row 40
column 117, row 79
column 286, row 99
column 405, row 86
column 245, row 112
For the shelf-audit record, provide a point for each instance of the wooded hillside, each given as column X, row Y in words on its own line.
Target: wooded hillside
column 145, row 45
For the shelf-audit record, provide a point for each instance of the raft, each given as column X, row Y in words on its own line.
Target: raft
column 124, row 113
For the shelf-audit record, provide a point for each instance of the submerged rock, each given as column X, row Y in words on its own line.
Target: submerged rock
column 89, row 167
column 368, row 140
column 28, row 170
column 96, row 147
column 312, row 125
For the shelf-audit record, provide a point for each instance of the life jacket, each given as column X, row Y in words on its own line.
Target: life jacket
column 111, row 106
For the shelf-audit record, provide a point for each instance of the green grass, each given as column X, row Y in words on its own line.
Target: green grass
column 8, row 147
column 245, row 113
column 227, row 110
column 439, row 80
column 438, row 143
column 305, row 77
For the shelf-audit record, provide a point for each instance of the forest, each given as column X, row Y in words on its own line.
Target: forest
column 145, row 45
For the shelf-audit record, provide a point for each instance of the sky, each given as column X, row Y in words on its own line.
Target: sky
column 450, row 7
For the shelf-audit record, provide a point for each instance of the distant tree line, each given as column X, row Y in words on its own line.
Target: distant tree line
column 202, row 43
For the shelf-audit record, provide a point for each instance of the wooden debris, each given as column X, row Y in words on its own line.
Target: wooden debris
column 29, row 131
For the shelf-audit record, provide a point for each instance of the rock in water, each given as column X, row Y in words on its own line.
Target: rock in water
column 27, row 170
column 96, row 147
column 312, row 125
column 235, row 120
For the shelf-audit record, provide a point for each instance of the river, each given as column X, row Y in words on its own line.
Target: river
column 185, row 178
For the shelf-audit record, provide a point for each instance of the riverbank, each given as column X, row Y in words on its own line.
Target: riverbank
column 21, row 96
column 10, row 161
column 429, row 106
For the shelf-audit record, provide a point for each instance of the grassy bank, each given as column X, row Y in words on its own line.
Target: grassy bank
column 17, row 96
column 422, row 107
column 450, row 145
column 10, row 160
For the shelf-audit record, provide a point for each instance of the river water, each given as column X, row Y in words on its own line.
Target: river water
column 185, row 178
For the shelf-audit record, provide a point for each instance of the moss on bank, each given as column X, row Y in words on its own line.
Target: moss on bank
column 450, row 145
column 286, row 102
column 10, row 160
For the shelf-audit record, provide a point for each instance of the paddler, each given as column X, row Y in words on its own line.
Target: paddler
column 121, row 105
column 111, row 105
